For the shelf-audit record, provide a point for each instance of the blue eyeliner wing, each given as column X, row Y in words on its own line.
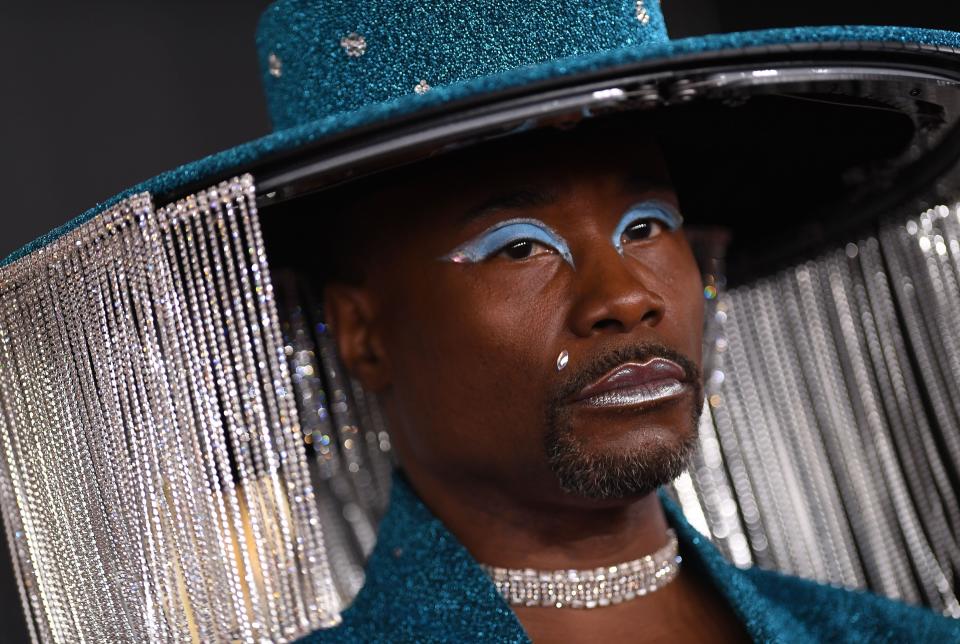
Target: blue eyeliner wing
column 503, row 233
column 653, row 209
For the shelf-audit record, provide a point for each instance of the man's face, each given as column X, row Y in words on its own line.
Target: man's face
column 492, row 264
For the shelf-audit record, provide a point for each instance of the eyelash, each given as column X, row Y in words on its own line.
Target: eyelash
column 654, row 223
column 506, row 234
column 656, row 211
column 514, row 244
column 647, row 220
column 499, row 239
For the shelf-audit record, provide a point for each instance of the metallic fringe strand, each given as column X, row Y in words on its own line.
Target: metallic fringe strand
column 154, row 481
column 829, row 444
column 175, row 433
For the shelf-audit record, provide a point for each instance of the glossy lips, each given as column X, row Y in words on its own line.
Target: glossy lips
column 634, row 384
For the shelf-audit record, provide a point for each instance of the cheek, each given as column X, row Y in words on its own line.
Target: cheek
column 469, row 370
column 671, row 271
column 685, row 302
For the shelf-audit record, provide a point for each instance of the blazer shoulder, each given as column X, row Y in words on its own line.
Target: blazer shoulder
column 844, row 615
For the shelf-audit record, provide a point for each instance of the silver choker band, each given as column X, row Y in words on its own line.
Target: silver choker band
column 602, row 586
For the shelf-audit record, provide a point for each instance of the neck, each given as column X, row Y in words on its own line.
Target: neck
column 509, row 531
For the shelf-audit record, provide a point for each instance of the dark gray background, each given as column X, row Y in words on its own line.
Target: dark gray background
column 98, row 96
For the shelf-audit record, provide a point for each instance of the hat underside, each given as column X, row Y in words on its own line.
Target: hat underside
column 899, row 100
column 787, row 155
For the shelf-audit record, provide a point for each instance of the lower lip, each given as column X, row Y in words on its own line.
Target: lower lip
column 646, row 394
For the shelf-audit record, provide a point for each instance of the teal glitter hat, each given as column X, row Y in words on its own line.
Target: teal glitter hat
column 182, row 458
column 352, row 86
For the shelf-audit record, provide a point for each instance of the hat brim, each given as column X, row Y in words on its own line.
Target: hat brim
column 343, row 146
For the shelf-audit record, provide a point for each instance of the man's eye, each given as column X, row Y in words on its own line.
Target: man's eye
column 523, row 248
column 642, row 229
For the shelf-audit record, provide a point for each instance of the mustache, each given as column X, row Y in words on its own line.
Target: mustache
column 603, row 362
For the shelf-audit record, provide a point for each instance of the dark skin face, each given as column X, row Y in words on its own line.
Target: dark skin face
column 463, row 355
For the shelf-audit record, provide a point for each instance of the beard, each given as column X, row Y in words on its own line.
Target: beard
column 615, row 473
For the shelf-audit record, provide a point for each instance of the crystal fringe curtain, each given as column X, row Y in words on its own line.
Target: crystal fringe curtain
column 345, row 432
column 174, row 435
column 830, row 447
column 153, row 481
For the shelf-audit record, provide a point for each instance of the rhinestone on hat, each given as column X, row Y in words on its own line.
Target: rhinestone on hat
column 275, row 65
column 642, row 14
column 422, row 87
column 354, row 45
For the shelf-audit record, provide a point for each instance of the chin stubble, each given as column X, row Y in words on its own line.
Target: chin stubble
column 600, row 472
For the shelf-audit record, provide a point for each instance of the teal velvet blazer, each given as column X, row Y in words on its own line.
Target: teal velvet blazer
column 423, row 586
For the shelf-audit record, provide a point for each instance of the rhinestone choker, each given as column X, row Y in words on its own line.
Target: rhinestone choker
column 588, row 588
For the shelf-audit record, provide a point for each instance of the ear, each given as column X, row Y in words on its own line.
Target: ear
column 351, row 314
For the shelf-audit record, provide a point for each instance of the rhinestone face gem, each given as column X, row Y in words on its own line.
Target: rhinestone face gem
column 562, row 360
column 422, row 87
column 642, row 14
column 275, row 65
column 354, row 45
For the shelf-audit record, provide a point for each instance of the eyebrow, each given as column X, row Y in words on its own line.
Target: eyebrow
column 518, row 199
column 641, row 183
column 538, row 196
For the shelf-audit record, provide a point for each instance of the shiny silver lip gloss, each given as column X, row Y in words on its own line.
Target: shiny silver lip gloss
column 640, row 395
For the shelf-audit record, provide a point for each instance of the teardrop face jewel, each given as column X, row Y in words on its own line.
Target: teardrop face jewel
column 562, row 360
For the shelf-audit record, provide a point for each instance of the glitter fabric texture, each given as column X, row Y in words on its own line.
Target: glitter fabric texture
column 423, row 586
column 322, row 91
column 445, row 41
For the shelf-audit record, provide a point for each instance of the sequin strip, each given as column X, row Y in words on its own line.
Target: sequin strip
column 154, row 481
column 596, row 588
column 829, row 443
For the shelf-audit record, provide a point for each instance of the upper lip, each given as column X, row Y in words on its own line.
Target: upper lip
column 633, row 374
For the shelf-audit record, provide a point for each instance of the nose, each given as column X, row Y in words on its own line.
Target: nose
column 614, row 294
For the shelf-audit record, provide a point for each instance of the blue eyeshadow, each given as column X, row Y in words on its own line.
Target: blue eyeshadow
column 504, row 233
column 651, row 209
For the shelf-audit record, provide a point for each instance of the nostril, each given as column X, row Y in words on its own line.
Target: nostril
column 650, row 316
column 608, row 323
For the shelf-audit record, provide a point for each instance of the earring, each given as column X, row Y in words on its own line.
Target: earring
column 562, row 360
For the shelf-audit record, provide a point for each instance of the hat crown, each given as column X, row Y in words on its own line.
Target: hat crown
column 327, row 57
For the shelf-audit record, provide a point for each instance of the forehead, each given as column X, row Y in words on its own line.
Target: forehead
column 367, row 223
column 520, row 170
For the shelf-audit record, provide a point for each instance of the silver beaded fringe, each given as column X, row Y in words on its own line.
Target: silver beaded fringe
column 154, row 480
column 184, row 459
column 588, row 588
column 829, row 444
